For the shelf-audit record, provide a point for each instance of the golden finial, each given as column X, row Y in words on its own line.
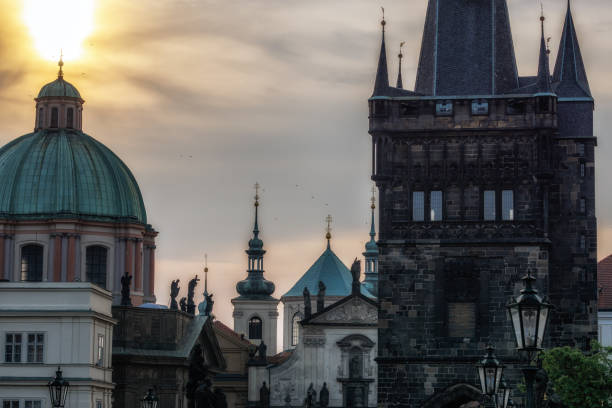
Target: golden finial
column 206, row 273
column 373, row 206
column 401, row 54
column 205, row 263
column 383, row 22
column 257, row 186
column 329, row 220
column 60, row 63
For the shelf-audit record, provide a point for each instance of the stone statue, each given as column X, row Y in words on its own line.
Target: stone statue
column 264, row 396
column 356, row 272
column 126, row 282
column 311, row 396
column 262, row 349
column 191, row 294
column 183, row 304
column 307, row 304
column 220, row 398
column 324, row 396
column 209, row 304
column 174, row 291
column 321, row 297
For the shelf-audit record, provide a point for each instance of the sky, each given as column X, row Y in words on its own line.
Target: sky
column 203, row 98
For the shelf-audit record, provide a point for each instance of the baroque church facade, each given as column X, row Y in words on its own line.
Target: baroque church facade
column 483, row 176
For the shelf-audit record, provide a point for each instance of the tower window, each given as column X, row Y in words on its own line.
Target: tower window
column 581, row 149
column 70, row 118
column 255, row 328
column 508, row 205
column 436, row 206
column 295, row 329
column 54, row 117
column 418, row 206
column 41, row 117
column 489, row 205
column 582, row 169
column 95, row 265
column 32, row 263
column 582, row 206
column 582, row 243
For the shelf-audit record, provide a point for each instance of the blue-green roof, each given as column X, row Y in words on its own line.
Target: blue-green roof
column 332, row 272
column 59, row 87
column 64, row 173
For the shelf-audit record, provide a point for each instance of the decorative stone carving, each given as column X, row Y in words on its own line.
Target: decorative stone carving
column 355, row 311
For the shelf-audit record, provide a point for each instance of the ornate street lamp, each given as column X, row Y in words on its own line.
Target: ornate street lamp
column 502, row 397
column 529, row 315
column 150, row 400
column 58, row 390
column 490, row 372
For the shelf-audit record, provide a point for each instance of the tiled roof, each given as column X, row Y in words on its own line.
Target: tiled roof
column 604, row 283
column 223, row 328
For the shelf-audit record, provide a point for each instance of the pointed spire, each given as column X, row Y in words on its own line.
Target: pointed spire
column 60, row 63
column 381, row 86
column 543, row 83
column 256, row 226
column 373, row 207
column 400, row 56
column 328, row 230
column 371, row 253
column 205, row 274
column 570, row 76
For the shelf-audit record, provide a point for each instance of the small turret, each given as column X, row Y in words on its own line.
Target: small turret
column 381, row 86
column 543, row 83
column 371, row 254
column 400, row 56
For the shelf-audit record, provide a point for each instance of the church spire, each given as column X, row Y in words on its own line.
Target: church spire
column 400, row 56
column 570, row 76
column 543, row 82
column 381, row 86
column 371, row 253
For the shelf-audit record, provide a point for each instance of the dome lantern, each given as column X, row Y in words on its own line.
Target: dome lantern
column 59, row 105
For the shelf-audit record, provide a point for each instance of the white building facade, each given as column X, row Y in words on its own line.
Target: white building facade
column 46, row 325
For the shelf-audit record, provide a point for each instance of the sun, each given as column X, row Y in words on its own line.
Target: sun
column 59, row 24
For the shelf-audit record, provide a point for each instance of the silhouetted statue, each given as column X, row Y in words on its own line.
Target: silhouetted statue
column 198, row 374
column 204, row 395
column 262, row 349
column 209, row 304
column 324, row 396
column 321, row 297
column 174, row 291
column 191, row 294
column 183, row 304
column 126, row 282
column 311, row 396
column 356, row 272
column 220, row 398
column 307, row 303
column 264, row 396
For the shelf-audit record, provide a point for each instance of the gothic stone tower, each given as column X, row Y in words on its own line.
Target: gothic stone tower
column 483, row 175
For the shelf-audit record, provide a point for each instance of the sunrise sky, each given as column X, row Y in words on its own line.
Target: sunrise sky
column 203, row 98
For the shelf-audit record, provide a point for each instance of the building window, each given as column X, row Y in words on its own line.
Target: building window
column 99, row 404
column 581, row 149
column 508, row 205
column 95, row 265
column 582, row 170
column 582, row 243
column 10, row 403
column 355, row 363
column 32, row 403
column 32, row 263
column 480, row 108
column 489, row 205
column 582, row 206
column 70, row 118
column 100, row 354
column 444, row 108
column 12, row 348
column 36, row 346
column 436, row 205
column 418, row 206
column 54, row 117
column 295, row 329
column 255, row 328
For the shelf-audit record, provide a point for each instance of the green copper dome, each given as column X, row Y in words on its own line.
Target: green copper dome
column 59, row 88
column 64, row 173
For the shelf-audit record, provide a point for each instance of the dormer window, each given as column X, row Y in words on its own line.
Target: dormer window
column 480, row 107
column 444, row 108
column 70, row 118
column 54, row 117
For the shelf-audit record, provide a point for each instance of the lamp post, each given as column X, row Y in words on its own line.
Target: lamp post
column 529, row 315
column 490, row 373
column 58, row 390
column 502, row 397
column 150, row 400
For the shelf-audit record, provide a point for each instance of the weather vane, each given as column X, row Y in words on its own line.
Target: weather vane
column 329, row 220
column 257, row 186
column 383, row 22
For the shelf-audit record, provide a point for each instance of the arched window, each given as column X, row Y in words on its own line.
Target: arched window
column 95, row 265
column 54, row 117
column 295, row 329
column 41, row 117
column 255, row 328
column 70, row 118
column 355, row 363
column 32, row 263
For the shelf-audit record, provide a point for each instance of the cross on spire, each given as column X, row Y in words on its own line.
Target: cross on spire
column 60, row 63
column 329, row 220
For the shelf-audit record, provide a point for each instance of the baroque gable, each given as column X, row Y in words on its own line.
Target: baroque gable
column 354, row 311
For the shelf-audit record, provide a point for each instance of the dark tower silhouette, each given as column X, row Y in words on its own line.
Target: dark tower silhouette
column 483, row 176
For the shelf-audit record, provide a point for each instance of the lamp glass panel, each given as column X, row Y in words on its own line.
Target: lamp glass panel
column 530, row 322
column 542, row 325
column 498, row 376
column 481, row 375
column 490, row 378
column 516, row 324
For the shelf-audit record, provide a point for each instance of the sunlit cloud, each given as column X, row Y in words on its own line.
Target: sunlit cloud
column 59, row 25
